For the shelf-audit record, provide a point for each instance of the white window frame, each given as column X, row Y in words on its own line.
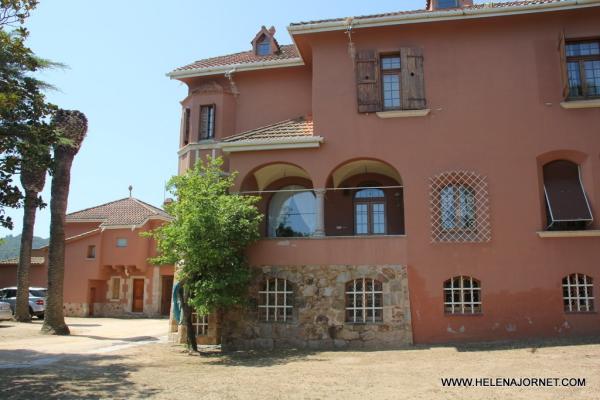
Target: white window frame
column 122, row 240
column 460, row 307
column 588, row 295
column 200, row 324
column 285, row 290
column 365, row 307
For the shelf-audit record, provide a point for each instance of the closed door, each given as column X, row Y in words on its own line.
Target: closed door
column 138, row 295
column 92, row 300
column 167, row 291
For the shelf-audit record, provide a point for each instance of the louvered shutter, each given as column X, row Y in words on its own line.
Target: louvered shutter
column 563, row 65
column 413, row 79
column 367, row 82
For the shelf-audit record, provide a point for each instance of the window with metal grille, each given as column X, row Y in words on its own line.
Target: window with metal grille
column 578, row 294
column 369, row 212
column 462, row 295
column 459, row 208
column 364, row 301
column 200, row 324
column 583, row 68
column 390, row 81
column 276, row 302
column 207, row 122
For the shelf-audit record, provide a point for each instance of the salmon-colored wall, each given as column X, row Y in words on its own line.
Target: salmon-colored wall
column 38, row 275
column 493, row 86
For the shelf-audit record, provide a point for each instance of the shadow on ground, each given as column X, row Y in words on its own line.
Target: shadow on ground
column 128, row 339
column 71, row 377
column 268, row 358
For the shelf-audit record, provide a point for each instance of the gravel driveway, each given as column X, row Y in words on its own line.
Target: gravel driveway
column 127, row 359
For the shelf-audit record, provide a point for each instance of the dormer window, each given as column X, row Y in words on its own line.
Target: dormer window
column 447, row 4
column 263, row 47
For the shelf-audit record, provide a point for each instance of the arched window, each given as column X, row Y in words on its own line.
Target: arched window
column 263, row 46
column 460, row 209
column 462, row 295
column 578, row 293
column 292, row 212
column 567, row 207
column 369, row 212
column 275, row 300
column 364, row 301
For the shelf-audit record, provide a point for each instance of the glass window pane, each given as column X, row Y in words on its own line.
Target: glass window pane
column 362, row 227
column 292, row 212
column 448, row 212
column 592, row 77
column 390, row 62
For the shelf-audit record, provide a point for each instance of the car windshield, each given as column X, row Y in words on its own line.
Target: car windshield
column 37, row 293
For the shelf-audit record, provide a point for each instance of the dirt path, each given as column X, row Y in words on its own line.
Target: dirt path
column 162, row 371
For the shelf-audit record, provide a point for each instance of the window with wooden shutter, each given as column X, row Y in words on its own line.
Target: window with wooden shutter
column 367, row 81
column 563, row 65
column 207, row 122
column 566, row 203
column 413, row 79
column 186, row 126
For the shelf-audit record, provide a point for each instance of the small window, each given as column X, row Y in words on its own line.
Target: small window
column 275, row 300
column 578, row 293
column 91, row 251
column 207, row 122
column 121, row 242
column 457, row 204
column 447, row 4
column 263, row 46
column 200, row 323
column 583, row 68
column 115, row 293
column 186, row 126
column 364, row 301
column 462, row 295
column 390, row 81
column 567, row 207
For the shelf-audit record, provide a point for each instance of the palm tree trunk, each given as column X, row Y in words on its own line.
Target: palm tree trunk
column 22, row 304
column 54, row 320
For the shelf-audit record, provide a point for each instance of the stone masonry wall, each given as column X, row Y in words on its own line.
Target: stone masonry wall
column 318, row 316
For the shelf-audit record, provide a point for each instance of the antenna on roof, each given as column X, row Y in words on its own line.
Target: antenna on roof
column 130, row 189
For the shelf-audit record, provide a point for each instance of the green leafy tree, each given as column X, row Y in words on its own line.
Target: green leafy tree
column 207, row 238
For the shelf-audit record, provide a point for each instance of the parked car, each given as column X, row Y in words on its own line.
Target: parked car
column 37, row 300
column 5, row 311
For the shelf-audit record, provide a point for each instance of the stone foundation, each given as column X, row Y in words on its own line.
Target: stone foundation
column 76, row 309
column 318, row 316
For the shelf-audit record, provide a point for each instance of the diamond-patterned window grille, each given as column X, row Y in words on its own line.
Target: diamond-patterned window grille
column 460, row 210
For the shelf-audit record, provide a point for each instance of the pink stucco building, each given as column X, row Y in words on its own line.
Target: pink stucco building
column 426, row 176
column 107, row 271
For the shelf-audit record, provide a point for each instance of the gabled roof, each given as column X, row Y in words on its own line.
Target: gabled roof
column 15, row 260
column 123, row 212
column 246, row 60
column 284, row 130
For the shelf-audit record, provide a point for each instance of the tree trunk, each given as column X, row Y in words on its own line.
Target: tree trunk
column 54, row 320
column 22, row 304
column 187, row 317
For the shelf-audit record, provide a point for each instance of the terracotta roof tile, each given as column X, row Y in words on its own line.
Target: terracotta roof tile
column 425, row 11
column 127, row 211
column 15, row 260
column 286, row 130
column 287, row 52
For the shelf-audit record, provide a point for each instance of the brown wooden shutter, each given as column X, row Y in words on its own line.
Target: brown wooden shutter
column 203, row 127
column 413, row 79
column 367, row 81
column 563, row 65
column 186, row 126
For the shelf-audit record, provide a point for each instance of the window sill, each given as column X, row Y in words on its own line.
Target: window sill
column 90, row 258
column 479, row 314
column 577, row 104
column 403, row 113
column 115, row 300
column 558, row 234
